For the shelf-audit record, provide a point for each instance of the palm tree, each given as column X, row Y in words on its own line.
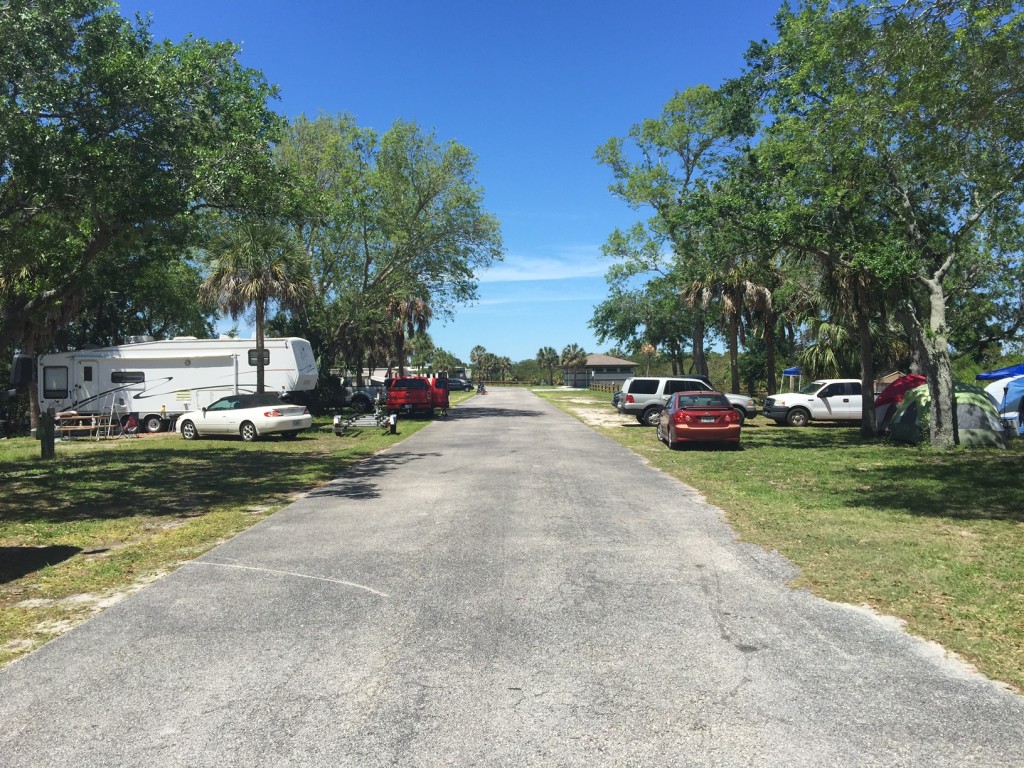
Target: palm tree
column 574, row 358
column 412, row 316
column 505, row 366
column 547, row 357
column 648, row 350
column 251, row 264
column 477, row 357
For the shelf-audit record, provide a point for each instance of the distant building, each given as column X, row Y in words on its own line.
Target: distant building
column 600, row 369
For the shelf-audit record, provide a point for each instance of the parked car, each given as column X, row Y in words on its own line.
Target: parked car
column 823, row 399
column 699, row 416
column 615, row 399
column 744, row 405
column 459, row 385
column 248, row 416
column 645, row 396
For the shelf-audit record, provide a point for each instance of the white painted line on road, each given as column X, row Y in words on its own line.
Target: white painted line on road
column 288, row 573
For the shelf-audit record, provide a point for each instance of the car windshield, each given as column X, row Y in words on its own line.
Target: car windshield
column 810, row 389
column 235, row 402
column 255, row 401
column 702, row 400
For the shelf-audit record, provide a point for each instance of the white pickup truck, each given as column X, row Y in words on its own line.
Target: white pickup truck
column 821, row 400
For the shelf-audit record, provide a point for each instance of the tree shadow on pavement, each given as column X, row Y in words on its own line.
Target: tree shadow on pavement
column 358, row 480
column 469, row 412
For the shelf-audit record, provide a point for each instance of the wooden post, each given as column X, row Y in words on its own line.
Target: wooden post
column 46, row 435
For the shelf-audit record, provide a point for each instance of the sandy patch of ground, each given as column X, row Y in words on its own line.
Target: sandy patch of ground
column 603, row 417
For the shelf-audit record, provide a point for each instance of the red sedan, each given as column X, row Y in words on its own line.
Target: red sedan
column 699, row 416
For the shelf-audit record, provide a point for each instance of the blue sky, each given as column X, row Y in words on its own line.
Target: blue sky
column 531, row 87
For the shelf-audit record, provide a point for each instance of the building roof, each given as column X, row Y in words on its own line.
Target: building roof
column 594, row 361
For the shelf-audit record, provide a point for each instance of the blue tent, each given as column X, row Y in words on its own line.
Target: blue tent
column 796, row 372
column 1002, row 373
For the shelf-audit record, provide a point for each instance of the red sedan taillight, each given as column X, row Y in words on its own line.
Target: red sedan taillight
column 682, row 417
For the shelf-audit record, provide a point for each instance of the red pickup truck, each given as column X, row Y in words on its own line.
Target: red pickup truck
column 411, row 394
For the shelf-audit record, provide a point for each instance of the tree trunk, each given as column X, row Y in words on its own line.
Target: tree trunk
column 33, row 391
column 867, row 362
column 700, row 363
column 734, row 358
column 933, row 344
column 260, row 317
column 940, row 371
column 769, row 345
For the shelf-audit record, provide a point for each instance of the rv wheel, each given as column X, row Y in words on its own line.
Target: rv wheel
column 152, row 423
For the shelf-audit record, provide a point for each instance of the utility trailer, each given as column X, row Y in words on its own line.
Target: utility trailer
column 156, row 381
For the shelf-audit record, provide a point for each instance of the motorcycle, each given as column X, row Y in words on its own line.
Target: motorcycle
column 481, row 389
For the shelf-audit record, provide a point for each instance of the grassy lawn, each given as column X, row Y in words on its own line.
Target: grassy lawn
column 934, row 538
column 107, row 517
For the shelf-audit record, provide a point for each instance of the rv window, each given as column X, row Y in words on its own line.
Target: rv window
column 87, row 373
column 55, row 382
column 127, row 377
column 252, row 357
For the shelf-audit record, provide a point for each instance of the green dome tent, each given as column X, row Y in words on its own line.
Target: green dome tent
column 977, row 420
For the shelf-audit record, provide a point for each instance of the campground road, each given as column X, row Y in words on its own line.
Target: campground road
column 504, row 588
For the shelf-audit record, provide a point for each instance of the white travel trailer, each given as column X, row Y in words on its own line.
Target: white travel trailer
column 156, row 381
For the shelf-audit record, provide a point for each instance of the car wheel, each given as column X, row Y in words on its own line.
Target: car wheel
column 360, row 404
column 798, row 417
column 189, row 431
column 742, row 413
column 661, row 435
column 290, row 434
column 152, row 423
column 248, row 432
column 651, row 416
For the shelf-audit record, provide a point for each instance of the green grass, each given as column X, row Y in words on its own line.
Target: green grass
column 107, row 517
column 935, row 538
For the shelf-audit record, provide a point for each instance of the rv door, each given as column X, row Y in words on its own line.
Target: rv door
column 85, row 389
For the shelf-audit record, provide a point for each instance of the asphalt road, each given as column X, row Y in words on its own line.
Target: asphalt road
column 505, row 588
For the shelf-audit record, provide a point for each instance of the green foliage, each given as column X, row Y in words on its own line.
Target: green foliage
column 110, row 140
column 251, row 263
column 389, row 221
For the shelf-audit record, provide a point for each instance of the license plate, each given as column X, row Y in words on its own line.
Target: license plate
column 407, row 407
column 296, row 422
column 707, row 419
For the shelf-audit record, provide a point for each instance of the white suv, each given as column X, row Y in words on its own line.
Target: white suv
column 645, row 397
column 823, row 399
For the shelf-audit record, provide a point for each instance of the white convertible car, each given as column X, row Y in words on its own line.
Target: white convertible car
column 249, row 416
